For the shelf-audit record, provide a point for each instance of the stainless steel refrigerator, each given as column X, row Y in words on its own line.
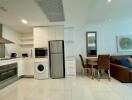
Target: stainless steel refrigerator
column 56, row 58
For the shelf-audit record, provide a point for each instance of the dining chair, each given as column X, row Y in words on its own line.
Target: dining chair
column 103, row 64
column 84, row 66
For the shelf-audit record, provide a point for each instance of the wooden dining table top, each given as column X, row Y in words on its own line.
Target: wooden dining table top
column 92, row 59
column 93, row 63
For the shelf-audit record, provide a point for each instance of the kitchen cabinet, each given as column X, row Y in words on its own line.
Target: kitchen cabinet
column 40, row 37
column 20, row 64
column 20, row 67
column 52, row 33
column 25, row 66
column 59, row 32
column 43, row 34
column 56, row 33
column 70, row 66
column 8, row 74
column 28, row 66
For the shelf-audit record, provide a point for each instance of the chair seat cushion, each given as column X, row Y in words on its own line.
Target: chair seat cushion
column 124, row 62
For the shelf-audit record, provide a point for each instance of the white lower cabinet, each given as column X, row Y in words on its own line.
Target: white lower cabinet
column 25, row 66
column 20, row 67
column 70, row 68
column 28, row 66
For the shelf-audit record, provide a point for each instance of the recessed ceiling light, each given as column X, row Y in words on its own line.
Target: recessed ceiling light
column 24, row 21
column 109, row 1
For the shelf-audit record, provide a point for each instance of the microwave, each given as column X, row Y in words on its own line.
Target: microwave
column 41, row 52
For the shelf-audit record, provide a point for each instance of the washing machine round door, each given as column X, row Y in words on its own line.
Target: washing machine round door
column 40, row 68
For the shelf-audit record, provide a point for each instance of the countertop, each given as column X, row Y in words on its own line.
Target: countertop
column 14, row 60
column 9, row 61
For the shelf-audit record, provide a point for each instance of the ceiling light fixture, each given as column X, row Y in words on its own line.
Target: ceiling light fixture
column 24, row 21
column 109, row 1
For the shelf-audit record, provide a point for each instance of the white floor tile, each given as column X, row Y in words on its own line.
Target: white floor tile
column 79, row 88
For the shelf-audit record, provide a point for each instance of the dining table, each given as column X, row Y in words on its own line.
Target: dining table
column 92, row 61
column 92, row 58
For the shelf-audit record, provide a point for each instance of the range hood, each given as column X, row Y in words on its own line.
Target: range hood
column 3, row 40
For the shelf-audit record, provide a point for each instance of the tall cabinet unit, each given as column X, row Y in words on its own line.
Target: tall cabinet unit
column 44, row 34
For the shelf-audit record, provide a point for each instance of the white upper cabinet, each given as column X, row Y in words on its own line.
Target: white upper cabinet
column 41, row 37
column 43, row 34
column 52, row 33
column 56, row 32
column 59, row 32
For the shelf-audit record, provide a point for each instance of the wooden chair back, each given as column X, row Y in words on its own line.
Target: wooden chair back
column 82, row 61
column 104, row 62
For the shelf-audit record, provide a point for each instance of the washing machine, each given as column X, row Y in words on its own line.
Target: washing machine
column 41, row 69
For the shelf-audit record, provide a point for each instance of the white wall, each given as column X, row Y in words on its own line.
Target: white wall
column 69, row 41
column 106, row 38
column 12, row 36
column 27, row 48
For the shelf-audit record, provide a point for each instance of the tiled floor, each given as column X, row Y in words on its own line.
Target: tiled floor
column 79, row 88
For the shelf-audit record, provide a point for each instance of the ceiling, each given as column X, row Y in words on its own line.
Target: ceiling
column 23, row 9
column 77, row 13
column 53, row 9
